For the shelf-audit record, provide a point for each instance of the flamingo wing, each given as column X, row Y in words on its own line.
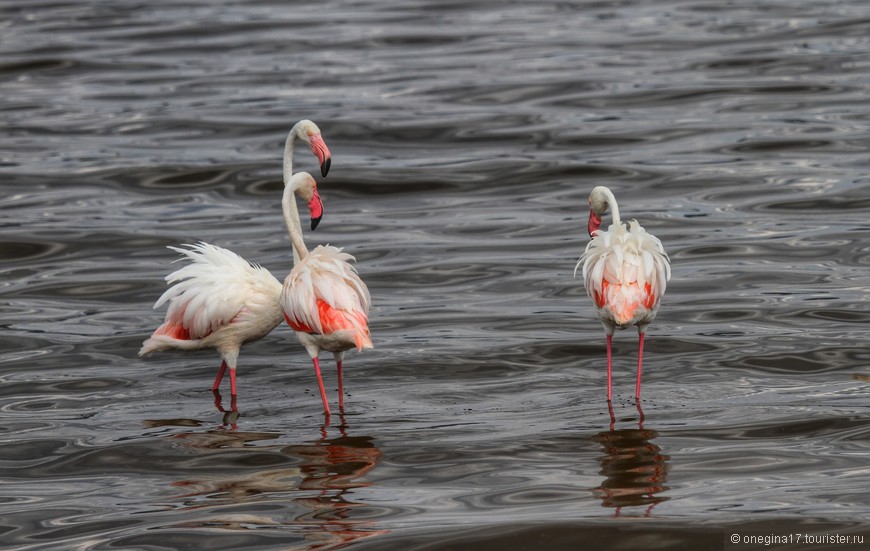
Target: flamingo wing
column 213, row 291
column 324, row 294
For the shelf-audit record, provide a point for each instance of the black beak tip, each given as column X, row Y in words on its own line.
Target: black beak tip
column 324, row 168
column 314, row 222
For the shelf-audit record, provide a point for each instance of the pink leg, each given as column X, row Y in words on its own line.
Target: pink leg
column 220, row 377
column 639, row 366
column 609, row 367
column 218, row 401
column 232, row 383
column 320, row 384
column 340, row 388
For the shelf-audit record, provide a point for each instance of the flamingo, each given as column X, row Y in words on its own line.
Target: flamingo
column 323, row 298
column 222, row 301
column 625, row 271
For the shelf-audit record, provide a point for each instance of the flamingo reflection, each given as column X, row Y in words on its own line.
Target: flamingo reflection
column 635, row 469
column 331, row 471
column 321, row 477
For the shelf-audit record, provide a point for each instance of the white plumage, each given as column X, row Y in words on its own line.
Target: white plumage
column 215, row 288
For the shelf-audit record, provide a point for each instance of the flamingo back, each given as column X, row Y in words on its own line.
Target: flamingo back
column 216, row 289
column 324, row 294
column 625, row 271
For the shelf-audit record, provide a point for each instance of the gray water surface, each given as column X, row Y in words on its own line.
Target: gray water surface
column 465, row 139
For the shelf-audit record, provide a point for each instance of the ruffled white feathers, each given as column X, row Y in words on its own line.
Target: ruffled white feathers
column 324, row 293
column 218, row 288
column 617, row 266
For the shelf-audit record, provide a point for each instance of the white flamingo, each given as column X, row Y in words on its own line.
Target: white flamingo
column 222, row 301
column 323, row 298
column 625, row 271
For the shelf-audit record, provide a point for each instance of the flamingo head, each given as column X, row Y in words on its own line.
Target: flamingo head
column 598, row 203
column 309, row 133
column 306, row 187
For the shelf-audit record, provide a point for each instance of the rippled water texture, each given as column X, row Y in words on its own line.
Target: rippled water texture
column 466, row 137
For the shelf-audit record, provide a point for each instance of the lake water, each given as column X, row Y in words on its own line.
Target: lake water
column 466, row 137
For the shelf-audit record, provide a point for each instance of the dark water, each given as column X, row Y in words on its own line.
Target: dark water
column 466, row 137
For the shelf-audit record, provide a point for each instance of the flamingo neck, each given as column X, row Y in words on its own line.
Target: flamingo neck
column 614, row 208
column 288, row 201
column 294, row 227
column 289, row 145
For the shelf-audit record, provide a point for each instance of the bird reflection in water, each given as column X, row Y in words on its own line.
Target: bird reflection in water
column 635, row 468
column 331, row 470
column 323, row 484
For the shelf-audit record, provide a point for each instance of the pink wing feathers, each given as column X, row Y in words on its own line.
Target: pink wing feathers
column 323, row 294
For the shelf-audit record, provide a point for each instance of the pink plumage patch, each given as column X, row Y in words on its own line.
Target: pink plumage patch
column 601, row 298
column 623, row 300
column 649, row 299
column 332, row 320
column 173, row 330
column 295, row 325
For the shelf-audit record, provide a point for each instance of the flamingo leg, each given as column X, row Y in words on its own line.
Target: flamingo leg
column 320, row 384
column 609, row 367
column 232, row 383
column 218, row 401
column 639, row 366
column 340, row 387
column 220, row 377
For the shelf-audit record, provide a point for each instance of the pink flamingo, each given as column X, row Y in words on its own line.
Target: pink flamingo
column 625, row 271
column 323, row 298
column 222, row 301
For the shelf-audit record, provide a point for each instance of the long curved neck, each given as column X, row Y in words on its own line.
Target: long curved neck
column 288, row 201
column 294, row 227
column 288, row 153
column 614, row 208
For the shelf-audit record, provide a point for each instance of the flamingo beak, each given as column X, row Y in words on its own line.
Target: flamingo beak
column 318, row 147
column 315, row 208
column 594, row 223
